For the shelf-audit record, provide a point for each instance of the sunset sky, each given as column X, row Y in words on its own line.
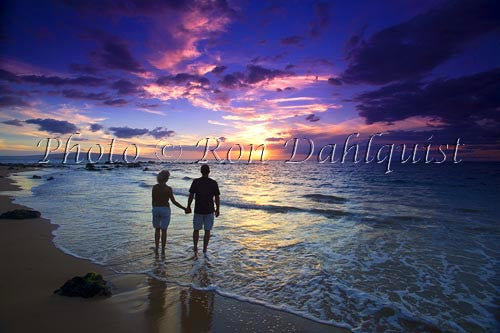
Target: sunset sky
column 249, row 72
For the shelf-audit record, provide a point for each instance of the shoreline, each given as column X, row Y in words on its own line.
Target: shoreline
column 35, row 267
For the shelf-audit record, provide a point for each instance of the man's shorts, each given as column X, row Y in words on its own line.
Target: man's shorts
column 161, row 217
column 205, row 221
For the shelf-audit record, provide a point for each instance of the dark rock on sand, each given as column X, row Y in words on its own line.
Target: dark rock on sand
column 36, row 177
column 50, row 178
column 20, row 214
column 145, row 169
column 90, row 285
column 90, row 167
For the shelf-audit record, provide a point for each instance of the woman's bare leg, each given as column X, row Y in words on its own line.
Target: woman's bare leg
column 157, row 239
column 163, row 240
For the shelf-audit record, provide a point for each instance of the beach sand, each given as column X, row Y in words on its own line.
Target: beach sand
column 32, row 268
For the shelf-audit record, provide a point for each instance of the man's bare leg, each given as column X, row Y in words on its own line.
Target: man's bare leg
column 206, row 239
column 196, row 236
column 163, row 240
column 157, row 239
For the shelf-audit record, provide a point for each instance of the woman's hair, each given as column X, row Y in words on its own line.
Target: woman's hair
column 163, row 176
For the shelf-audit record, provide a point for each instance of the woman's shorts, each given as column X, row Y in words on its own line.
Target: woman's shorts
column 161, row 217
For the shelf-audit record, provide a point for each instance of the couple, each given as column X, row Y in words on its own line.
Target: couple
column 203, row 190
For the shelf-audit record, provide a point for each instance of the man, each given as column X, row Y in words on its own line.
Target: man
column 203, row 190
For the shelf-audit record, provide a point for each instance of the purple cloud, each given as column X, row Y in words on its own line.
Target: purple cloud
column 412, row 48
column 13, row 122
column 53, row 125
column 312, row 118
column 95, row 127
column 161, row 132
column 127, row 132
column 10, row 101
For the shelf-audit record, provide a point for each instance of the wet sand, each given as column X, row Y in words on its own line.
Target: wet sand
column 32, row 268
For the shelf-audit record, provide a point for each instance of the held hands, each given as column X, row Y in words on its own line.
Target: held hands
column 187, row 210
column 217, row 213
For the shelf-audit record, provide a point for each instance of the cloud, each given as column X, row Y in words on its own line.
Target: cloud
column 335, row 81
column 413, row 48
column 13, row 122
column 76, row 94
column 51, row 80
column 232, row 81
column 125, row 87
column 96, row 127
column 180, row 31
column 322, row 18
column 127, row 132
column 115, row 54
column 11, row 101
column 53, row 125
column 275, row 139
column 161, row 132
column 468, row 104
column 292, row 40
column 218, row 70
column 182, row 78
column 312, row 118
column 116, row 102
column 85, row 69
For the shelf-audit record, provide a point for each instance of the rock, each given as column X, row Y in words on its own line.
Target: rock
column 50, row 178
column 90, row 167
column 145, row 169
column 90, row 285
column 36, row 177
column 20, row 214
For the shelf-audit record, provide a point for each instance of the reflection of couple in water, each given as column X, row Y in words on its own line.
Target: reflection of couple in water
column 203, row 190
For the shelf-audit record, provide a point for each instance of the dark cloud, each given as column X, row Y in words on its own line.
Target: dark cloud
column 53, row 125
column 147, row 8
column 335, row 81
column 125, row 87
column 8, row 76
column 13, row 122
column 274, row 139
column 85, row 69
column 465, row 105
column 148, row 105
column 127, row 132
column 116, row 102
column 59, row 81
column 232, row 81
column 115, row 54
column 5, row 90
column 9, row 101
column 322, row 18
column 51, row 80
column 182, row 78
column 292, row 40
column 96, row 127
column 161, row 132
column 415, row 47
column 312, row 118
column 219, row 69
column 255, row 74
column 76, row 94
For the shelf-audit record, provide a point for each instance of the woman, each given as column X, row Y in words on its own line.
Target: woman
column 161, row 194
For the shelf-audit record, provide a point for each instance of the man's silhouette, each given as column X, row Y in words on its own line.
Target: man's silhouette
column 203, row 190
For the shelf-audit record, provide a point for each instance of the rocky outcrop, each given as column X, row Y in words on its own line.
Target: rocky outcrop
column 90, row 285
column 20, row 214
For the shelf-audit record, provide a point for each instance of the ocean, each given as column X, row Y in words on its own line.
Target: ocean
column 346, row 245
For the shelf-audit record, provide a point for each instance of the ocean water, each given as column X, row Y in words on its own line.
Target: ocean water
column 342, row 244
